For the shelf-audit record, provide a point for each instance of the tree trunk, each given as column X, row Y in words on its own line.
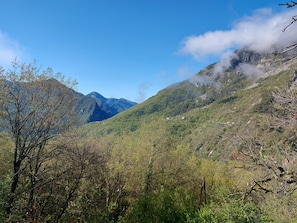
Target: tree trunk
column 14, row 185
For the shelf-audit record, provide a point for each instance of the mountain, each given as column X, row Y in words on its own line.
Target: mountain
column 112, row 106
column 231, row 128
column 87, row 108
column 222, row 103
column 94, row 107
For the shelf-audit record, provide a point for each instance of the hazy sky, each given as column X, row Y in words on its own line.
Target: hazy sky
column 134, row 48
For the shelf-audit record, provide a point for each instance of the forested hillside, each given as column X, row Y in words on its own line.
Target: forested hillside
column 219, row 147
column 222, row 151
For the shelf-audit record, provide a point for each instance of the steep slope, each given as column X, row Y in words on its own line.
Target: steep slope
column 87, row 108
column 217, row 108
column 244, row 69
column 94, row 107
column 112, row 106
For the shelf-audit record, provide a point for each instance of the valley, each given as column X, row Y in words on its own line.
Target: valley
column 218, row 147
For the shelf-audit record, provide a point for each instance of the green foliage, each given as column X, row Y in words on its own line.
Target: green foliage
column 5, row 181
column 229, row 212
column 166, row 206
column 175, row 206
column 189, row 154
column 34, row 108
column 6, row 153
column 266, row 103
column 152, row 153
column 279, row 208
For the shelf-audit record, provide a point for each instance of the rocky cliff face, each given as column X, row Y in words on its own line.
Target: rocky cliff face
column 252, row 64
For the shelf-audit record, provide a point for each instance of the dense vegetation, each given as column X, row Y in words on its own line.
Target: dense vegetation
column 192, row 153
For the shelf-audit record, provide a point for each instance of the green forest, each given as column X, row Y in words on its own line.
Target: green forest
column 219, row 147
column 229, row 157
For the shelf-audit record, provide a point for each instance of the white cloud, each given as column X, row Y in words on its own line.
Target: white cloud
column 257, row 32
column 142, row 92
column 249, row 70
column 9, row 50
column 183, row 72
column 224, row 63
column 203, row 80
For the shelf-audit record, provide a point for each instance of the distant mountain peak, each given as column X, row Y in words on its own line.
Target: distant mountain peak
column 95, row 94
column 112, row 106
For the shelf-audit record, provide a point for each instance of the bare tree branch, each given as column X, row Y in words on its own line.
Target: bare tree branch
column 289, row 48
column 294, row 19
column 289, row 5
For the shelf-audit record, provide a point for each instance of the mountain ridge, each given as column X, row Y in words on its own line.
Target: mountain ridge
column 212, row 105
column 88, row 108
column 112, row 106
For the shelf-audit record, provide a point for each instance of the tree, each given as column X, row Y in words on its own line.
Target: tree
column 57, row 191
column 34, row 107
column 294, row 19
column 273, row 182
column 274, row 178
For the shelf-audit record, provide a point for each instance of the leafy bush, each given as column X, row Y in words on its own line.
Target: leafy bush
column 232, row 211
column 166, row 206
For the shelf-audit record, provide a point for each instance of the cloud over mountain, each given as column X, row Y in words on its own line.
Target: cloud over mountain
column 257, row 32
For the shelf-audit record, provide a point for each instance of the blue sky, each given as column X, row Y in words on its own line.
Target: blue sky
column 130, row 48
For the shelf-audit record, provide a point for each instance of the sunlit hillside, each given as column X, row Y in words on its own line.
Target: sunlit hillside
column 218, row 147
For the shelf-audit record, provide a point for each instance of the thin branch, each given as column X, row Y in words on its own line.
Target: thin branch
column 292, row 47
column 294, row 19
column 289, row 5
